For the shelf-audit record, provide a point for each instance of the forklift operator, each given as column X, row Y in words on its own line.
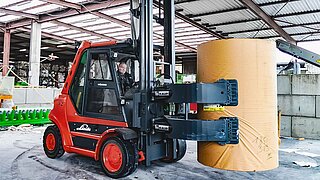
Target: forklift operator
column 125, row 79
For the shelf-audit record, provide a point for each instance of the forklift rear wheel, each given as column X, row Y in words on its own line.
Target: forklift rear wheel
column 118, row 157
column 52, row 143
column 180, row 150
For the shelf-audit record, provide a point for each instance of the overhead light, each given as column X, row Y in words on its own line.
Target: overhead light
column 45, row 48
column 2, row 52
column 22, row 50
column 89, row 20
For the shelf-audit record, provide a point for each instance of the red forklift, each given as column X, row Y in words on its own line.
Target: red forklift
column 93, row 118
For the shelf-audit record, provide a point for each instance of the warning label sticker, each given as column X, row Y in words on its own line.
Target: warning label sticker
column 212, row 108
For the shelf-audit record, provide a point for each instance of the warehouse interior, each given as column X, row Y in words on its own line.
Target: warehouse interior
column 259, row 57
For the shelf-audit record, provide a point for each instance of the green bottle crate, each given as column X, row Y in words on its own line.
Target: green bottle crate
column 25, row 116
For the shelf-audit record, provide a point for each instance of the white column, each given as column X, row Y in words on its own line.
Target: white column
column 34, row 53
column 6, row 52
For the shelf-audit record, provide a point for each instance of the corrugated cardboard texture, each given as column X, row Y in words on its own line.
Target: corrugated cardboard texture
column 252, row 63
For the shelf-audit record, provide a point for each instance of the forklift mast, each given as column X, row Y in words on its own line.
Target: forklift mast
column 155, row 126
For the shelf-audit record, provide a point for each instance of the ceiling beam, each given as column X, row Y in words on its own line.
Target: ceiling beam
column 20, row 40
column 64, row 3
column 55, row 29
column 233, row 22
column 82, row 30
column 200, row 26
column 267, row 19
column 178, row 43
column 21, row 56
column 19, row 13
column 184, row 1
column 309, row 40
column 102, row 28
column 186, row 38
column 60, row 38
column 305, row 25
column 294, row 34
column 238, row 8
column 194, row 41
column 125, row 24
column 186, row 46
column 112, row 19
column 68, row 13
column 96, row 30
column 15, row 48
column 18, row 47
column 215, row 12
column 192, row 22
column 258, row 19
column 26, row 9
column 88, row 8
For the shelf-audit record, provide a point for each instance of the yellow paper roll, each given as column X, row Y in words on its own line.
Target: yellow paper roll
column 252, row 63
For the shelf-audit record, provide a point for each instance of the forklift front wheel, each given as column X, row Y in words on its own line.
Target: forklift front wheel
column 180, row 150
column 118, row 157
column 52, row 143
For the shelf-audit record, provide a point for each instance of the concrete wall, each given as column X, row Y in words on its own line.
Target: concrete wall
column 299, row 102
column 34, row 97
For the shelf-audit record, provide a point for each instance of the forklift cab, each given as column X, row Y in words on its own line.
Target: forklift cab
column 95, row 90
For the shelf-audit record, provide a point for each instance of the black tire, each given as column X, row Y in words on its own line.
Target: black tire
column 129, row 156
column 180, row 150
column 56, row 151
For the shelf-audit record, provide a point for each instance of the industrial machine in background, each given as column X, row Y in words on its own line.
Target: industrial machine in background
column 298, row 52
column 91, row 117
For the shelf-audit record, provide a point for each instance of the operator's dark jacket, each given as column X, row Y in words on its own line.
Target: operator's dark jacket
column 125, row 81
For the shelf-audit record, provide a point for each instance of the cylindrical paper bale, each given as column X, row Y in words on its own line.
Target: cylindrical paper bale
column 252, row 63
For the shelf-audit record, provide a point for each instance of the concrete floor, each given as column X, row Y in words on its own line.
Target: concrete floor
column 22, row 157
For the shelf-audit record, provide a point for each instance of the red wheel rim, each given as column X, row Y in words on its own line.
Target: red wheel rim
column 50, row 142
column 112, row 157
